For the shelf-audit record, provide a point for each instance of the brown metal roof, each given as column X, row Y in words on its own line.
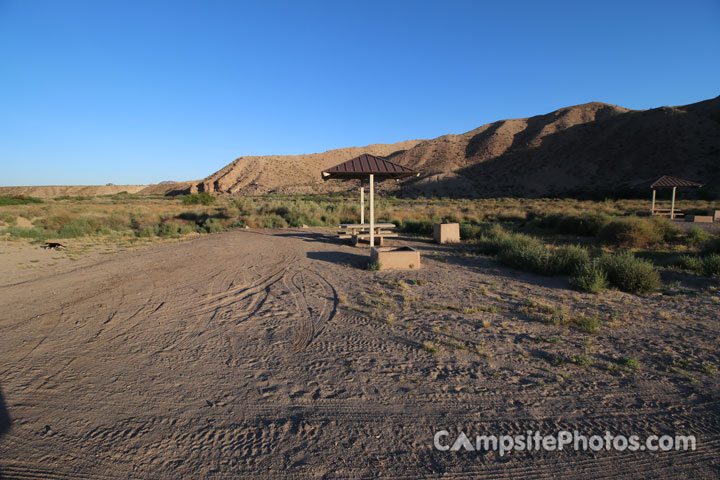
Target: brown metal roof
column 364, row 165
column 668, row 181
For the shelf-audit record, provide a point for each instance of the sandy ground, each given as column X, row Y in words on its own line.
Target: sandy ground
column 273, row 354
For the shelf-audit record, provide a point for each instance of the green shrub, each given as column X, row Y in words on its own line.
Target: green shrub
column 418, row 227
column 471, row 232
column 589, row 278
column 246, row 206
column 187, row 229
column 302, row 213
column 8, row 218
column 149, row 231
column 374, row 266
column 711, row 265
column 18, row 200
column 524, row 253
column 589, row 324
column 630, row 362
column 20, row 232
column 669, row 231
column 708, row 265
column 527, row 253
column 630, row 274
column 81, row 227
column 586, row 224
column 696, row 236
column 274, row 221
column 169, row 229
column 212, row 225
column 582, row 360
column 633, row 232
column 690, row 262
column 713, row 246
column 568, row 259
column 203, row 198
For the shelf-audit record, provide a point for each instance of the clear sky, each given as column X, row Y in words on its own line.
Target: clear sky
column 135, row 92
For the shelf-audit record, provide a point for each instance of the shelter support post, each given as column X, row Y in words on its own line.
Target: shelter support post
column 362, row 205
column 652, row 207
column 672, row 205
column 372, row 210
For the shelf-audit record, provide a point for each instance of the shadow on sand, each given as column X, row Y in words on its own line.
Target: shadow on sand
column 4, row 416
column 315, row 237
column 341, row 258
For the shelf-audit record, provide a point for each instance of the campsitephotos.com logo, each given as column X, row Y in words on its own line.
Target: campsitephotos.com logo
column 534, row 441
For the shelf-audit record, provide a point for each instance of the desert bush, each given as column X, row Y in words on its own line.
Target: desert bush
column 245, row 206
column 568, row 259
column 430, row 347
column 374, row 266
column 68, row 226
column 630, row 274
column 689, row 262
column 632, row 232
column 81, row 227
column 589, row 278
column 586, row 224
column 274, row 221
column 203, row 198
column 149, row 231
column 8, row 218
column 418, row 227
column 169, row 229
column 18, row 200
column 470, row 232
column 696, row 236
column 668, row 230
column 493, row 240
column 528, row 253
column 212, row 225
column 20, row 232
column 711, row 247
column 302, row 213
column 187, row 229
column 710, row 265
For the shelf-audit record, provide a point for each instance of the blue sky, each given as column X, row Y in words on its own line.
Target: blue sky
column 134, row 92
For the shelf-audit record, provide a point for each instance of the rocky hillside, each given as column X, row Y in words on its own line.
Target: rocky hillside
column 288, row 173
column 589, row 147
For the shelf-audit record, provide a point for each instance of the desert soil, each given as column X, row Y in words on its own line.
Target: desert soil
column 274, row 354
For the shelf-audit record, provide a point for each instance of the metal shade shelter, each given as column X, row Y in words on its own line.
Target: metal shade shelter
column 371, row 167
column 666, row 181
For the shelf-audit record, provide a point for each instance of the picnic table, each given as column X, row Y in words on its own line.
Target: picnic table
column 666, row 212
column 361, row 231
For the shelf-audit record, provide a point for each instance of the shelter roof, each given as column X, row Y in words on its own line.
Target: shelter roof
column 366, row 164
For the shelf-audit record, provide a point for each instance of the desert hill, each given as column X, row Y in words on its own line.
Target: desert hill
column 52, row 191
column 593, row 147
column 288, row 173
column 589, row 147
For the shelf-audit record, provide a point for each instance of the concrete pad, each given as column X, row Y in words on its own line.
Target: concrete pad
column 395, row 258
column 699, row 218
column 446, row 232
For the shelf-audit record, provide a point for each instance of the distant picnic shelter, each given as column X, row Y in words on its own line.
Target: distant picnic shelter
column 667, row 181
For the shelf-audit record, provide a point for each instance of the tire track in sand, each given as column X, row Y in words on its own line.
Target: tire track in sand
column 316, row 301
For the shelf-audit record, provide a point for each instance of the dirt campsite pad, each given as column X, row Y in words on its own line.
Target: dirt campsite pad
column 275, row 354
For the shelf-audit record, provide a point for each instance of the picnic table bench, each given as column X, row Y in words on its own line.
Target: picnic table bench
column 361, row 231
column 665, row 212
